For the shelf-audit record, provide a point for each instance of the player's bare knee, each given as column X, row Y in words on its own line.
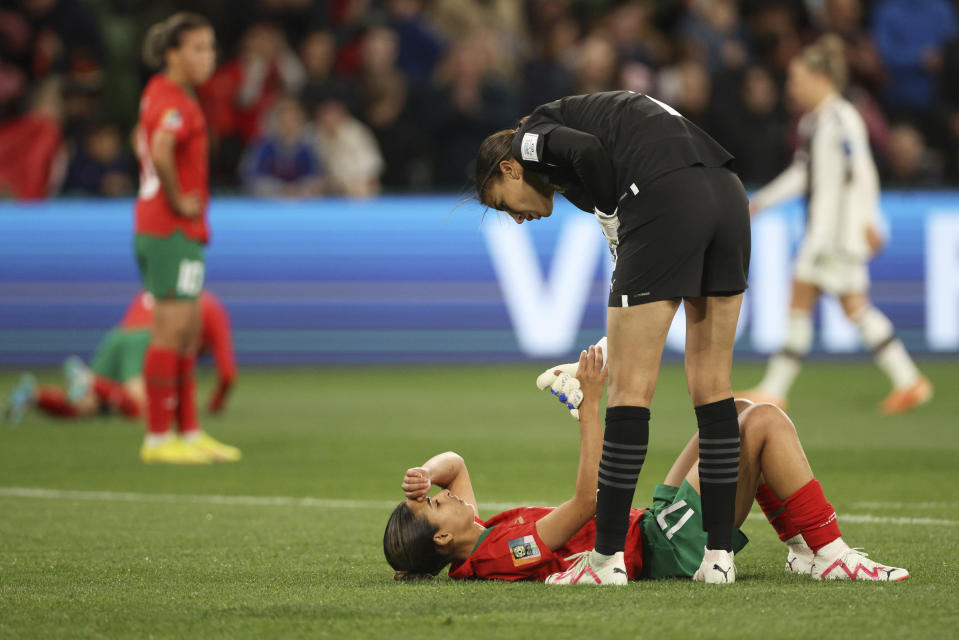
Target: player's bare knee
column 632, row 393
column 764, row 420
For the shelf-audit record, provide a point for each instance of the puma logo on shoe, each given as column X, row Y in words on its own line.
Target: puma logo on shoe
column 888, row 573
column 725, row 572
column 618, row 570
column 789, row 563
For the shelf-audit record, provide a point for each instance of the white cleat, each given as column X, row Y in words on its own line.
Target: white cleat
column 717, row 567
column 800, row 556
column 854, row 564
column 586, row 571
column 799, row 563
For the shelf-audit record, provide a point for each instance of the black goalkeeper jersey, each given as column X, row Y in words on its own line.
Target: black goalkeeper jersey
column 600, row 147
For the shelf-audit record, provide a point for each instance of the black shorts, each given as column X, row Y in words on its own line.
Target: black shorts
column 684, row 235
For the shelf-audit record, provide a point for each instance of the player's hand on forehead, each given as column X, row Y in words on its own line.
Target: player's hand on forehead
column 416, row 484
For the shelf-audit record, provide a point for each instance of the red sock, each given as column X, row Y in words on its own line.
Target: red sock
column 186, row 392
column 160, row 376
column 813, row 515
column 53, row 401
column 775, row 512
column 115, row 396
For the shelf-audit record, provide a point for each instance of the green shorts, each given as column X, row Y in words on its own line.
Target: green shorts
column 673, row 536
column 171, row 267
column 120, row 356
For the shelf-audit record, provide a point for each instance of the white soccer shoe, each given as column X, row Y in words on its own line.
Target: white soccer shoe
column 800, row 556
column 853, row 564
column 585, row 571
column 717, row 567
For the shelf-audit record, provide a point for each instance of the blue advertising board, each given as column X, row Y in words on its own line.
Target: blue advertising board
column 402, row 279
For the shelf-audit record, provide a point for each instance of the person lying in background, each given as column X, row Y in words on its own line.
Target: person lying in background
column 113, row 382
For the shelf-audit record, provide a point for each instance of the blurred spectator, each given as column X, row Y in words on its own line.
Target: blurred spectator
column 100, row 166
column 240, row 93
column 713, row 34
column 687, row 87
column 318, row 55
column 845, row 18
column 420, row 48
column 911, row 35
column 348, row 150
column 469, row 103
column 775, row 35
column 32, row 156
column 631, row 30
column 419, row 71
column 949, row 111
column 295, row 17
column 350, row 20
column 39, row 38
column 909, row 163
column 284, row 162
column 395, row 111
column 756, row 129
column 546, row 75
column 597, row 65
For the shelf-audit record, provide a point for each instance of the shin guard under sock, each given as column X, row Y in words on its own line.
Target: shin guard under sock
column 718, row 470
column 186, row 393
column 624, row 451
column 160, row 377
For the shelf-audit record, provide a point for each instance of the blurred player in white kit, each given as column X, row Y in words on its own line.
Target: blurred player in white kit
column 834, row 169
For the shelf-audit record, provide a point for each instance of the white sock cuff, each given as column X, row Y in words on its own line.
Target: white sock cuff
column 875, row 328
column 799, row 333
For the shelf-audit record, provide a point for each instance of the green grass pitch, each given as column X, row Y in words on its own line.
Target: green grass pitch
column 113, row 548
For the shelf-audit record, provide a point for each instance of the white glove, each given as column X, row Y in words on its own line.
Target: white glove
column 609, row 223
column 562, row 383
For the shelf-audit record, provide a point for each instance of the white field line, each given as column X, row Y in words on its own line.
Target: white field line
column 335, row 503
column 905, row 505
column 865, row 518
column 247, row 501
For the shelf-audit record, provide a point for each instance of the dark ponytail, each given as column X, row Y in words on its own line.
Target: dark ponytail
column 409, row 547
column 167, row 35
column 495, row 149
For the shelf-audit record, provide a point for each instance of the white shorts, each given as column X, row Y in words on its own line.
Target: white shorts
column 837, row 274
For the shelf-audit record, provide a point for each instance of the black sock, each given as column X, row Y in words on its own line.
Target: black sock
column 624, row 450
column 718, row 470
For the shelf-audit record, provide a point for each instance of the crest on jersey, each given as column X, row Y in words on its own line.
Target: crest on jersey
column 172, row 120
column 524, row 551
column 528, row 148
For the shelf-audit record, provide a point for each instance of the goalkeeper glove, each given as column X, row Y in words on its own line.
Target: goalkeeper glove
column 562, row 383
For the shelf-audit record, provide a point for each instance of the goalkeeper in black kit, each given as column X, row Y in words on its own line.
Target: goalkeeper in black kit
column 677, row 221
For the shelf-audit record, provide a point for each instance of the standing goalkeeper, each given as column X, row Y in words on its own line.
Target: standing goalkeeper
column 677, row 222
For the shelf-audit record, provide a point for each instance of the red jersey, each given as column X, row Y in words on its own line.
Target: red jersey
column 510, row 549
column 215, row 334
column 165, row 106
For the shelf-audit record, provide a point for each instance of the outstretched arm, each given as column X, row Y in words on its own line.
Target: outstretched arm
column 446, row 470
column 791, row 183
column 562, row 523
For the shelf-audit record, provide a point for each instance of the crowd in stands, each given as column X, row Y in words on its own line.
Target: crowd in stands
column 356, row 97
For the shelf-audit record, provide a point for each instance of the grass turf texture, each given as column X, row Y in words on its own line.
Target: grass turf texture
column 101, row 566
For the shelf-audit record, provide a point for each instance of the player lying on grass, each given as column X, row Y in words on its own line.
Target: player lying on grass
column 425, row 533
column 114, row 380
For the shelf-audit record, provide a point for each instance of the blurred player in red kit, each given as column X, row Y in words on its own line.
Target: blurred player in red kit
column 171, row 232
column 114, row 380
